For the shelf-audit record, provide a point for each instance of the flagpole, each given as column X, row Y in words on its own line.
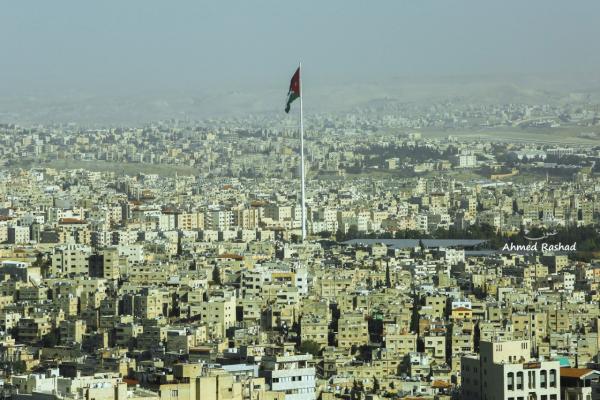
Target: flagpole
column 302, row 156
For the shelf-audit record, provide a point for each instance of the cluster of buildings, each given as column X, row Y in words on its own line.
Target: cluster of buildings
column 59, row 209
column 266, row 147
column 196, row 286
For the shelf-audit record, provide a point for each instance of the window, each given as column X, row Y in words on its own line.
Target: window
column 553, row 378
column 520, row 380
column 531, row 379
column 510, row 380
column 543, row 378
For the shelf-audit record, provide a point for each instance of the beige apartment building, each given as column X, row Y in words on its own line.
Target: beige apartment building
column 435, row 306
column 70, row 260
column 187, row 383
column 435, row 347
column 217, row 312
column 314, row 329
column 506, row 371
column 72, row 331
column 105, row 264
column 352, row 330
column 398, row 340
column 190, row 221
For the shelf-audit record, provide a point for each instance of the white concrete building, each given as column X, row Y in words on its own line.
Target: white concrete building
column 290, row 374
column 19, row 235
column 506, row 371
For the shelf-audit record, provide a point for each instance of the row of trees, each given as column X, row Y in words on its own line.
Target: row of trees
column 587, row 238
column 474, row 232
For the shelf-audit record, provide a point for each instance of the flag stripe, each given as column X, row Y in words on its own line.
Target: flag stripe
column 294, row 91
column 291, row 97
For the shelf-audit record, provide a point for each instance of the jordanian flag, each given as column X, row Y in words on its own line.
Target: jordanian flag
column 294, row 92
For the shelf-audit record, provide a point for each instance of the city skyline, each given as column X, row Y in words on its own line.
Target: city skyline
column 419, row 218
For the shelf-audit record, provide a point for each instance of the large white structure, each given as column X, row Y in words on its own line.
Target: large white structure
column 253, row 280
column 290, row 374
column 466, row 161
column 506, row 371
column 19, row 235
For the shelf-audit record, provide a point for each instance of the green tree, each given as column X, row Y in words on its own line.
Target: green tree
column 216, row 275
column 310, row 347
column 376, row 385
column 352, row 232
column 50, row 339
column 43, row 264
column 19, row 367
column 355, row 392
column 421, row 246
column 388, row 280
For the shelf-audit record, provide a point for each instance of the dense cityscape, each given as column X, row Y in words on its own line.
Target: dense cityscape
column 166, row 261
column 300, row 200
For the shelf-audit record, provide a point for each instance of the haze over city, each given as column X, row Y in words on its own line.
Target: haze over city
column 135, row 60
column 187, row 213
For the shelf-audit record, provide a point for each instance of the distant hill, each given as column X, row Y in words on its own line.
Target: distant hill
column 192, row 104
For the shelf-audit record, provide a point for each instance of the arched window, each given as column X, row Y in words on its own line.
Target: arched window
column 531, row 379
column 543, row 379
column 510, row 381
column 520, row 380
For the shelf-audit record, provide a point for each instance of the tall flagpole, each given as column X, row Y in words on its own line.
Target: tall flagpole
column 302, row 155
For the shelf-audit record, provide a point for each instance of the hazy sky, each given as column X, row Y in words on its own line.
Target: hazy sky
column 127, row 46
